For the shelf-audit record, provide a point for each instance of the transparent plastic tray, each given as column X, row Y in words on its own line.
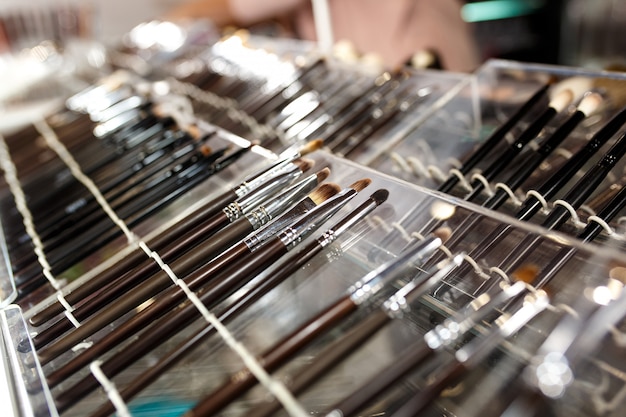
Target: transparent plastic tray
column 328, row 276
column 447, row 137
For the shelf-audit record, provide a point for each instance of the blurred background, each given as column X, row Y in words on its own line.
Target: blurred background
column 587, row 33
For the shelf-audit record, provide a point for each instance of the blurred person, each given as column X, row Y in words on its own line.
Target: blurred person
column 394, row 30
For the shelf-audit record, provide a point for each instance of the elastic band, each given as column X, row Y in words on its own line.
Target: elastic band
column 436, row 173
column 608, row 229
column 109, row 388
column 516, row 201
column 483, row 180
column 461, row 178
column 540, row 198
column 574, row 216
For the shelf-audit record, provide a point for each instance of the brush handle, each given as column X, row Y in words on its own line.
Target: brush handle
column 536, row 158
column 491, row 142
column 193, row 258
column 367, row 392
column 221, row 286
column 328, row 358
column 556, row 182
column 163, row 302
column 504, row 159
column 588, row 183
column 608, row 212
column 275, row 357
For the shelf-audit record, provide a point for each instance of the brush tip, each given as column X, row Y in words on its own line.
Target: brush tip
column 194, row 131
column 562, row 99
column 443, row 233
column 526, row 273
column 324, row 192
column 304, row 164
column 380, row 196
column 361, row 184
column 323, row 174
column 618, row 273
column 590, row 103
column 312, row 146
column 205, row 150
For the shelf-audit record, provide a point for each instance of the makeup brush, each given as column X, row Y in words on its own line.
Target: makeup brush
column 356, row 112
column 195, row 221
column 219, row 241
column 393, row 308
column 556, row 105
column 359, row 293
column 278, row 275
column 222, row 285
column 206, row 274
column 588, row 234
column 77, row 210
column 285, row 161
column 559, row 214
column 588, row 105
column 495, row 138
column 472, row 354
column 443, row 336
column 532, row 204
column 162, row 281
column 75, row 250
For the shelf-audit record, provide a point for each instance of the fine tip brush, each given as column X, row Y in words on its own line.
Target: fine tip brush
column 161, row 281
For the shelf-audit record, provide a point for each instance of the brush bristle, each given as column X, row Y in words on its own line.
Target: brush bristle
column 443, row 233
column 206, row 150
column 312, row 146
column 561, row 100
column 361, row 184
column 324, row 192
column 194, row 131
column 380, row 196
column 618, row 273
column 304, row 164
column 590, row 103
column 323, row 174
column 526, row 273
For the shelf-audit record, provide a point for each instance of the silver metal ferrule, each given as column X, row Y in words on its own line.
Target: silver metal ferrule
column 291, row 195
column 371, row 283
column 305, row 206
column 346, row 223
column 232, row 211
column 290, row 237
column 125, row 105
column 111, row 125
column 267, row 190
column 253, row 242
column 258, row 218
column 399, row 303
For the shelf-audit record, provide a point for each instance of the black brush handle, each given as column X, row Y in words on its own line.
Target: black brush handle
column 537, row 157
column 490, row 143
column 556, row 182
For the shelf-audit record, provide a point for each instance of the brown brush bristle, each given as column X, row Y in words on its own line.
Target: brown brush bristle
column 206, row 150
column 194, row 131
column 526, row 273
column 304, row 164
column 361, row 184
column 324, row 192
column 323, row 174
column 312, row 146
column 443, row 233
